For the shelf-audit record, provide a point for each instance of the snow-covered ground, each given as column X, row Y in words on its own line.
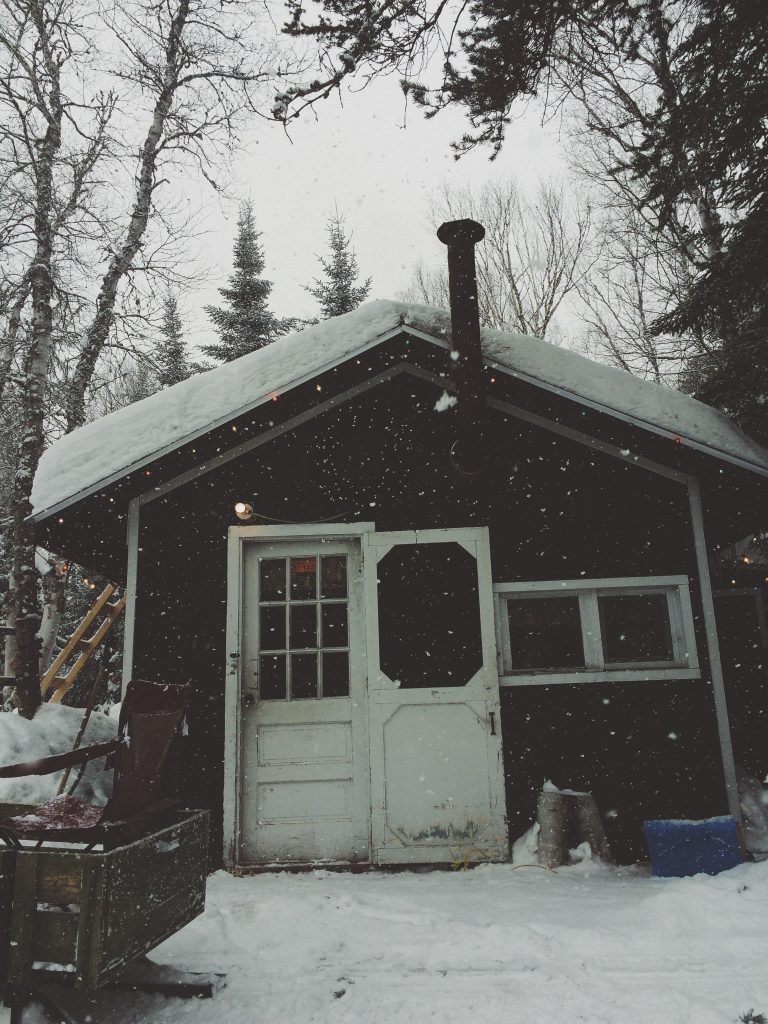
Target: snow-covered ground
column 495, row 945
column 500, row 944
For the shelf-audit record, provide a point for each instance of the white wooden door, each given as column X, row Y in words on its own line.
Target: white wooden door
column 304, row 794
column 437, row 781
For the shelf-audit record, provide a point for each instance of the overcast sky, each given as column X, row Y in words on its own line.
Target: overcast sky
column 378, row 170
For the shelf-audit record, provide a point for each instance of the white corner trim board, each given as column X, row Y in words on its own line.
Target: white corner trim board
column 131, row 582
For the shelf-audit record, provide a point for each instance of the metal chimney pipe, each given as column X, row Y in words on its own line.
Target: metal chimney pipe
column 461, row 237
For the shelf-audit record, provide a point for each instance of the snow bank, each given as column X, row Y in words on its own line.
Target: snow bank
column 124, row 439
column 525, row 848
column 53, row 731
column 494, row 945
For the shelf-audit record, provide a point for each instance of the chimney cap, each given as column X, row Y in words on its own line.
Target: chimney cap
column 458, row 231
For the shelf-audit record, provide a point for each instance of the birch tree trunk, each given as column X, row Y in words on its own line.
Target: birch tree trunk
column 8, row 349
column 45, row 84
column 54, row 603
column 96, row 334
column 205, row 63
column 213, row 53
column 10, row 638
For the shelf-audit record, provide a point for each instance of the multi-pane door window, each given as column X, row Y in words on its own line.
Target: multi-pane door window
column 594, row 630
column 303, row 627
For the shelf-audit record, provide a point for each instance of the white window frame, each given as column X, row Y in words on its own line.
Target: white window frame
column 685, row 664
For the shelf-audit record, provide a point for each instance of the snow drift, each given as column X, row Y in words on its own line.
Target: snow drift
column 53, row 731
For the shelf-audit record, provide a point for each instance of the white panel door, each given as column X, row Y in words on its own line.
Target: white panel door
column 304, row 793
column 437, row 780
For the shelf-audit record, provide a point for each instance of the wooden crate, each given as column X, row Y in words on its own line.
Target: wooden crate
column 89, row 913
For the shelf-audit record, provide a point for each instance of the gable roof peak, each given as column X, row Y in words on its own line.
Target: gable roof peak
column 113, row 445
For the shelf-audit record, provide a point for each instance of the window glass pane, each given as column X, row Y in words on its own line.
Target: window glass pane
column 272, row 579
column 429, row 615
column 336, row 674
column 635, row 627
column 303, row 579
column 545, row 633
column 333, row 573
column 272, row 677
column 272, row 636
column 334, row 625
column 303, row 626
column 303, row 676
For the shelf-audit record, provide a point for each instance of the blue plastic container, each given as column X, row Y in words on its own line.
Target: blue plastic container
column 681, row 848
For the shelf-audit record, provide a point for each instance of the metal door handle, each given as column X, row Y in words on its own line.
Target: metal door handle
column 492, row 716
column 248, row 700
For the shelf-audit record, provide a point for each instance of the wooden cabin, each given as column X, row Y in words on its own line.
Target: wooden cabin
column 389, row 651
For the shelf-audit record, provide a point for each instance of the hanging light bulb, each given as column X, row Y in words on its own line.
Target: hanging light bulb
column 243, row 511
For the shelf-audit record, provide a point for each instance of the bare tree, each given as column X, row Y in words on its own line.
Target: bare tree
column 634, row 280
column 199, row 62
column 630, row 73
column 534, row 255
column 651, row 251
column 71, row 252
column 37, row 44
column 618, row 97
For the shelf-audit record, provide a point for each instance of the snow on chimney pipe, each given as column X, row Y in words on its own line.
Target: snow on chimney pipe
column 461, row 237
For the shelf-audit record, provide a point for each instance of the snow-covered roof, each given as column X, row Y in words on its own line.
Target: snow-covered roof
column 114, row 445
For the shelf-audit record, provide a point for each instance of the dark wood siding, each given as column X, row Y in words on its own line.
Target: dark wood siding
column 644, row 750
column 556, row 510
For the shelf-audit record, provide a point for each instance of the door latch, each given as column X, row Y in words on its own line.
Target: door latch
column 492, row 716
column 248, row 699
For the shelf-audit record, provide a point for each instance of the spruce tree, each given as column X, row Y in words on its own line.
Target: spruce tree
column 719, row 127
column 171, row 354
column 337, row 291
column 245, row 323
column 138, row 382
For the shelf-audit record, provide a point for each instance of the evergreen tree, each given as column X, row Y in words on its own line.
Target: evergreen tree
column 694, row 163
column 720, row 125
column 337, row 291
column 138, row 382
column 172, row 360
column 245, row 323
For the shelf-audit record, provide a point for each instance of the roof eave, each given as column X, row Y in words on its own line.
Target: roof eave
column 139, row 464
column 637, row 421
column 135, row 467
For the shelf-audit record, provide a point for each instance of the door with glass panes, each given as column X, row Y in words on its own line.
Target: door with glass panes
column 304, row 794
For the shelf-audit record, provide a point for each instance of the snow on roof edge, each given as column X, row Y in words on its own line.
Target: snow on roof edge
column 182, row 412
column 97, row 454
column 644, row 423
column 39, row 514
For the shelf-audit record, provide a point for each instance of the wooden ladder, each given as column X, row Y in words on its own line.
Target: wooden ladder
column 109, row 613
